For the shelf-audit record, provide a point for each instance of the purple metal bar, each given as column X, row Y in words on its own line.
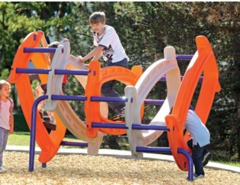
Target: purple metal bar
column 108, row 125
column 57, row 71
column 153, row 102
column 70, row 143
column 32, row 71
column 71, row 72
column 184, row 57
column 65, row 97
column 108, row 99
column 33, row 131
column 153, row 149
column 148, row 127
column 190, row 163
column 168, row 150
column 116, row 99
column 39, row 50
column 164, row 78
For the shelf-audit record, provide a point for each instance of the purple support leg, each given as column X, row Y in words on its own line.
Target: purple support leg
column 33, row 132
column 190, row 163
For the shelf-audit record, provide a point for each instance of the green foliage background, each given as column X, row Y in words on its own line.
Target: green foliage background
column 145, row 28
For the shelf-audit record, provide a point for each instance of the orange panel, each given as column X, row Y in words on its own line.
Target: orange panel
column 203, row 62
column 49, row 143
column 96, row 78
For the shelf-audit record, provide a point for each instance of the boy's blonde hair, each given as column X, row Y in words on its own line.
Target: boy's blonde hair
column 4, row 82
column 97, row 17
column 52, row 45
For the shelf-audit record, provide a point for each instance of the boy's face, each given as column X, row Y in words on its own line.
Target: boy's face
column 98, row 27
column 5, row 91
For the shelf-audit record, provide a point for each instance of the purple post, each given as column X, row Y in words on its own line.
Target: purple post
column 71, row 72
column 184, row 57
column 67, row 97
column 153, row 102
column 149, row 127
column 32, row 71
column 70, row 143
column 33, row 131
column 108, row 125
column 190, row 163
column 39, row 50
column 168, row 150
column 108, row 99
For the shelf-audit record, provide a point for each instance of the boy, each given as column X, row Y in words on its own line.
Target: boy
column 6, row 118
column 200, row 138
column 107, row 45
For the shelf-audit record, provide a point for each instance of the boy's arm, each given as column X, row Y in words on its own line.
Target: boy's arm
column 11, row 123
column 95, row 54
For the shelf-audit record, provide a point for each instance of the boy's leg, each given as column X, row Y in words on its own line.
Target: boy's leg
column 197, row 153
column 108, row 87
column 206, row 156
column 108, row 91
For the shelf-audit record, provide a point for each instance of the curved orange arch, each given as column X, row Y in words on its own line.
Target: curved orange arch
column 96, row 78
column 203, row 62
column 49, row 143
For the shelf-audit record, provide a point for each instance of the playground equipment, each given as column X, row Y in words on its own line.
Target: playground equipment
column 179, row 94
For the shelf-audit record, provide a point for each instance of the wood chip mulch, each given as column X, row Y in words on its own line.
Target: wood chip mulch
column 105, row 170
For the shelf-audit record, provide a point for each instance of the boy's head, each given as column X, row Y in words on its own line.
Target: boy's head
column 5, row 88
column 97, row 21
column 97, row 17
column 52, row 45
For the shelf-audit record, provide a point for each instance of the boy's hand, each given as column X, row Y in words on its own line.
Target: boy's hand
column 80, row 59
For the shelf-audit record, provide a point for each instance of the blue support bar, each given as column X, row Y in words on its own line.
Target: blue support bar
column 116, row 99
column 107, row 99
column 153, row 149
column 149, row 127
column 70, row 143
column 168, row 150
column 184, row 57
column 164, row 78
column 33, row 131
column 66, row 97
column 32, row 71
column 153, row 102
column 39, row 50
column 190, row 163
column 108, row 125
column 57, row 71
column 71, row 72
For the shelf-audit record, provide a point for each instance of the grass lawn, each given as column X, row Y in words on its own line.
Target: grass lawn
column 23, row 139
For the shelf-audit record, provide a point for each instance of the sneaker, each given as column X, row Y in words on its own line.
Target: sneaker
column 2, row 169
column 195, row 176
column 120, row 116
column 206, row 158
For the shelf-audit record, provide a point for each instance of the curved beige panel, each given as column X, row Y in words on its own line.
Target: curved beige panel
column 138, row 93
column 73, row 123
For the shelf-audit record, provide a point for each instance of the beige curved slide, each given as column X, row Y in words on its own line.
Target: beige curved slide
column 137, row 94
column 63, row 60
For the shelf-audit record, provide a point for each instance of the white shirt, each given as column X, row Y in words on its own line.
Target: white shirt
column 5, row 115
column 197, row 129
column 113, row 49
